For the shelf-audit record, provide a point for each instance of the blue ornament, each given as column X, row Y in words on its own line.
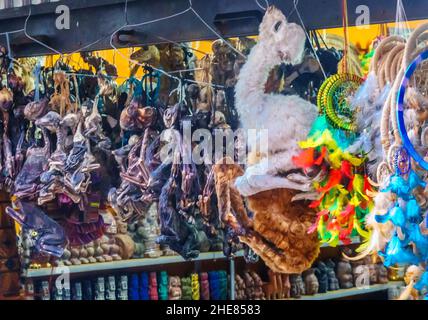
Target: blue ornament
column 396, row 253
column 423, row 282
column 413, row 211
column 415, row 181
column 414, row 234
column 396, row 215
column 399, row 186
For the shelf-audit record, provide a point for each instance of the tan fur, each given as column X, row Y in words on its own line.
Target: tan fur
column 284, row 224
column 278, row 232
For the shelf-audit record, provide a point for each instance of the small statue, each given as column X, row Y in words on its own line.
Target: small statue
column 122, row 288
column 153, row 287
column 57, row 294
column 77, row 291
column 344, row 274
column 333, row 282
column 205, row 286
column 249, row 285
column 311, row 282
column 297, row 286
column 110, row 293
column 144, row 233
column 239, row 288
column 100, row 289
column 258, row 286
column 186, row 288
column 66, row 294
column 174, row 288
column 382, row 273
column 369, row 262
column 144, row 286
column 134, row 288
column 394, row 293
column 87, row 290
column 45, row 293
column 163, row 285
column 321, row 272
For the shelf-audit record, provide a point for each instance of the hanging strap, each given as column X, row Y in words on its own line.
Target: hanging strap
column 346, row 35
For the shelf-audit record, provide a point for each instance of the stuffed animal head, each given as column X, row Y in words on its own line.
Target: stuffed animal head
column 285, row 40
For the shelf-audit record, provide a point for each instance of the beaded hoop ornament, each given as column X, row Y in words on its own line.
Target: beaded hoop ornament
column 400, row 110
column 402, row 161
column 333, row 101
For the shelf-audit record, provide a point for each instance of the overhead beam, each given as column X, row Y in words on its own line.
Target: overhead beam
column 93, row 21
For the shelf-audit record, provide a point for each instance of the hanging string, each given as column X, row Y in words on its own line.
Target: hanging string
column 9, row 51
column 296, row 2
column 401, row 26
column 215, row 32
column 260, row 6
column 346, row 36
column 49, row 47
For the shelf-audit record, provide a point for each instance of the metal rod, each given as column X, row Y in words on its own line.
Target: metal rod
column 232, row 278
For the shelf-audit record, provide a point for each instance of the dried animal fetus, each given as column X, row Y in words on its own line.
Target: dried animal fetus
column 36, row 109
column 223, row 64
column 52, row 122
column 311, row 282
column 60, row 100
column 179, row 234
column 6, row 99
column 44, row 234
column 27, row 182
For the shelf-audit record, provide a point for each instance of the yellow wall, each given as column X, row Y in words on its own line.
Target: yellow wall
column 360, row 37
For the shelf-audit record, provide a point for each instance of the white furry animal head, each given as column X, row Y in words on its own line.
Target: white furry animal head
column 286, row 40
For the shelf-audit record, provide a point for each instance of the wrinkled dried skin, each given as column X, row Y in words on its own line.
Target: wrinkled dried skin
column 6, row 99
column 285, row 245
column 36, row 109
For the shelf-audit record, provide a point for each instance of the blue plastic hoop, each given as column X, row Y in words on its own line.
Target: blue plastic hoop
column 400, row 111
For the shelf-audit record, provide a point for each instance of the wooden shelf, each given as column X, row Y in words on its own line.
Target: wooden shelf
column 354, row 240
column 344, row 293
column 136, row 263
column 126, row 264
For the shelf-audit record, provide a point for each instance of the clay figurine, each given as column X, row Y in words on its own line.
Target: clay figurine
column 344, row 274
column 297, row 286
column 110, row 293
column 174, row 288
column 382, row 273
column 311, row 282
column 333, row 282
column 100, row 289
column 321, row 272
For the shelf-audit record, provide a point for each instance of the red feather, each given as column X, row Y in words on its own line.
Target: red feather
column 347, row 169
column 305, row 159
column 322, row 214
column 333, row 180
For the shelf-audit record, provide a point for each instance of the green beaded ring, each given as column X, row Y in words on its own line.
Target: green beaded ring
column 336, row 112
